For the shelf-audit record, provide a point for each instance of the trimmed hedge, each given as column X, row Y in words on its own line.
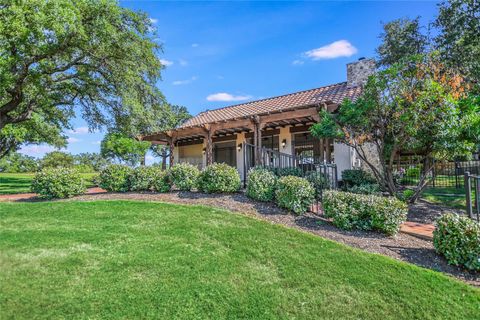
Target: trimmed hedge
column 115, row 177
column 184, row 176
column 356, row 177
column 457, row 238
column 364, row 212
column 142, row 178
column 161, row 181
column 58, row 183
column 219, row 177
column 261, row 184
column 294, row 193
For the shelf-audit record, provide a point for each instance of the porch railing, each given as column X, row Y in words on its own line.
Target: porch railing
column 472, row 195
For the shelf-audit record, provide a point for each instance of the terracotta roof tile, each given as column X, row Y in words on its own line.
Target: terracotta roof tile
column 335, row 93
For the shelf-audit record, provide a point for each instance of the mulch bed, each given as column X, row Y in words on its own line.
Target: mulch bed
column 401, row 247
column 425, row 212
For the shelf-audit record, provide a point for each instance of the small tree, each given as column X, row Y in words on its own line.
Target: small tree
column 417, row 106
column 120, row 147
column 57, row 159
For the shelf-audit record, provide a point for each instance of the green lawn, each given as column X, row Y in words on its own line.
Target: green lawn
column 447, row 196
column 11, row 183
column 126, row 259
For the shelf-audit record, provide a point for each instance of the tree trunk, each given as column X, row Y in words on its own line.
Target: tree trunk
column 164, row 159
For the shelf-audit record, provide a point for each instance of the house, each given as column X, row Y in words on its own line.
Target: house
column 237, row 134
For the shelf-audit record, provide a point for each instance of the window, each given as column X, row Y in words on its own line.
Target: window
column 225, row 152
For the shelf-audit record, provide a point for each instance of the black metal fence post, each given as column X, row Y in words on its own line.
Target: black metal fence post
column 468, row 194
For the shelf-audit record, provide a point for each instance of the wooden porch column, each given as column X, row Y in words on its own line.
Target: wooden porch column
column 171, row 143
column 257, row 140
column 209, row 131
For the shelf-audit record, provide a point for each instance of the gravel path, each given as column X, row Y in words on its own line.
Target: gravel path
column 401, row 247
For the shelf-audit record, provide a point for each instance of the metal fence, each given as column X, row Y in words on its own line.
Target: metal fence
column 472, row 193
column 443, row 173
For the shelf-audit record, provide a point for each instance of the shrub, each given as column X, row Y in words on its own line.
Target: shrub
column 318, row 181
column 413, row 172
column 370, row 188
column 115, row 177
column 141, row 178
column 365, row 212
column 261, row 184
column 458, row 239
column 184, row 176
column 58, row 183
column 161, row 181
column 289, row 171
column 294, row 193
column 219, row 177
column 356, row 177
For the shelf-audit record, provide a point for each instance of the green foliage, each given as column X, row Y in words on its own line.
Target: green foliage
column 294, row 193
column 123, row 148
column 184, row 176
column 401, row 38
column 93, row 160
column 56, row 159
column 319, row 182
column 412, row 172
column 93, row 55
column 161, row 180
column 142, row 178
column 115, row 178
column 370, row 188
column 261, row 184
column 18, row 163
column 219, row 177
column 286, row 171
column 458, row 239
column 84, row 168
column 364, row 212
column 356, row 177
column 58, row 183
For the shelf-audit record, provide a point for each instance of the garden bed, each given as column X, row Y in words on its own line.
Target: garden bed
column 401, row 247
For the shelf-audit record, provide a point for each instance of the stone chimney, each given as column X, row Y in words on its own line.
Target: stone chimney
column 359, row 71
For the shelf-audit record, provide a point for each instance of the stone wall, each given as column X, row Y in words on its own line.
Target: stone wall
column 359, row 71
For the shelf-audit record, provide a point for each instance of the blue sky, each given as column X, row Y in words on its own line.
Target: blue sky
column 222, row 53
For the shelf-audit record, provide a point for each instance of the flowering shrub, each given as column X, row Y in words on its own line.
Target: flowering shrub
column 161, row 181
column 184, row 176
column 365, row 212
column 261, row 184
column 115, row 177
column 141, row 178
column 219, row 177
column 458, row 239
column 58, row 183
column 294, row 193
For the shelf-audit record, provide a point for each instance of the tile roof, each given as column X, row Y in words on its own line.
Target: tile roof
column 335, row 94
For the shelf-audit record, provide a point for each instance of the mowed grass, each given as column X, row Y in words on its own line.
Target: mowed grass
column 126, row 259
column 448, row 196
column 11, row 183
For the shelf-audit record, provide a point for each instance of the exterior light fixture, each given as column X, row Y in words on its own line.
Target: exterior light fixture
column 239, row 147
column 204, row 150
column 284, row 143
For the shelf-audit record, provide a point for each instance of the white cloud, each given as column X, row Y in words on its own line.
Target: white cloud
column 182, row 62
column 223, row 96
column 182, row 82
column 153, row 20
column 97, row 142
column 297, row 62
column 341, row 48
column 35, row 150
column 194, row 45
column 73, row 140
column 80, row 130
column 166, row 62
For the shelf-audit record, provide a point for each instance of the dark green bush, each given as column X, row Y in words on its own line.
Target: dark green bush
column 219, row 177
column 294, row 193
column 319, row 182
column 364, row 212
column 184, row 176
column 142, row 178
column 58, row 183
column 261, row 184
column 356, row 177
column 289, row 171
column 371, row 188
column 413, row 172
column 458, row 239
column 161, row 180
column 115, row 177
